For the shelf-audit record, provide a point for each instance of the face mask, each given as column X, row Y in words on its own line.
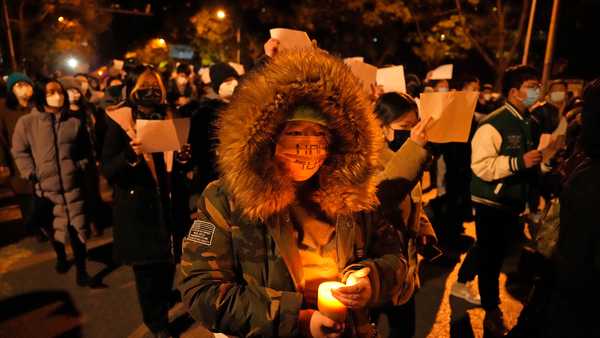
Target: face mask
column 557, row 96
column 114, row 91
column 301, row 155
column 181, row 81
column 226, row 89
column 532, row 96
column 74, row 96
column 400, row 137
column 55, row 100
column 442, row 90
column 148, row 97
column 23, row 92
column 487, row 97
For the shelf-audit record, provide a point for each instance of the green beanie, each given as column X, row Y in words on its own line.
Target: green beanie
column 309, row 114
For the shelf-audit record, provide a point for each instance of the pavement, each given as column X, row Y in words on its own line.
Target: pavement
column 38, row 302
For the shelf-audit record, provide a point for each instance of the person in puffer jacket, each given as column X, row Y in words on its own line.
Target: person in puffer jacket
column 51, row 149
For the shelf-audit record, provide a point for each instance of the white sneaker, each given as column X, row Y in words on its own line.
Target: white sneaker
column 465, row 291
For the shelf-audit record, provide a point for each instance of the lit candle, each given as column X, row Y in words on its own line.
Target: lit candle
column 329, row 305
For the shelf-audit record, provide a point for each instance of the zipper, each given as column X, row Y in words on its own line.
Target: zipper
column 57, row 158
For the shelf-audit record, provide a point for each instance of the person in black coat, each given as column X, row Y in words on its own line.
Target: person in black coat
column 142, row 202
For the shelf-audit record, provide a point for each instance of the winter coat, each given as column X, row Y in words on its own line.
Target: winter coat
column 242, row 272
column 52, row 151
column 141, row 205
column 412, row 221
column 8, row 122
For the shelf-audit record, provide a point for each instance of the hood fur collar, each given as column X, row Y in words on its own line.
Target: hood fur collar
column 249, row 126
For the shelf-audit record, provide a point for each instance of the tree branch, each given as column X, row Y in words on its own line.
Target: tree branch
column 486, row 57
column 516, row 42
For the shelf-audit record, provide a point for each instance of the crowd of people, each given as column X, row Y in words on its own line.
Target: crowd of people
column 293, row 175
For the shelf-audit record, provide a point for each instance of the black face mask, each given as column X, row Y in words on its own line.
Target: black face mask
column 400, row 136
column 148, row 97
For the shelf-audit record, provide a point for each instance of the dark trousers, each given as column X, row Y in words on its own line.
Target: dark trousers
column 154, row 282
column 401, row 318
column 79, row 249
column 497, row 231
column 470, row 265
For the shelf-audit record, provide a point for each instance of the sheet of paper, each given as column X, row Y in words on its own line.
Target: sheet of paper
column 238, row 68
column 118, row 64
column 392, row 79
column 452, row 115
column 163, row 135
column 562, row 127
column 443, row 72
column 354, row 59
column 124, row 118
column 291, row 39
column 550, row 144
column 365, row 72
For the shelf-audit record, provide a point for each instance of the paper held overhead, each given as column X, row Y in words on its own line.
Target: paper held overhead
column 443, row 72
column 452, row 115
column 354, row 59
column 365, row 72
column 162, row 135
column 392, row 79
column 291, row 39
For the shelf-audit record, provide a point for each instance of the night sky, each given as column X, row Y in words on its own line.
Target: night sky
column 577, row 30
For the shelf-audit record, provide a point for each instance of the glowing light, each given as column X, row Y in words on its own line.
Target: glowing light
column 100, row 72
column 221, row 14
column 443, row 37
column 72, row 62
column 61, row 19
column 162, row 42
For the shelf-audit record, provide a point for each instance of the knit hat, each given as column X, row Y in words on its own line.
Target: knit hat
column 219, row 73
column 17, row 77
column 307, row 113
column 70, row 82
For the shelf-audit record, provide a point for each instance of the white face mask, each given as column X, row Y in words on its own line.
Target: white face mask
column 443, row 90
column 226, row 89
column 55, row 100
column 487, row 96
column 557, row 96
column 74, row 96
column 23, row 92
column 181, row 81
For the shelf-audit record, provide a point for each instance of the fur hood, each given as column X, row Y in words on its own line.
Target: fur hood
column 249, row 126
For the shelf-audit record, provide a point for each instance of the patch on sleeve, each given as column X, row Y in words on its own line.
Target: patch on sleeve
column 202, row 233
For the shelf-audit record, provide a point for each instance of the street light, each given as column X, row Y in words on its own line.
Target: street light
column 221, row 14
column 72, row 62
column 61, row 19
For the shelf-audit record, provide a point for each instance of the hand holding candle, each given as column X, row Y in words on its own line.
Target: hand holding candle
column 357, row 292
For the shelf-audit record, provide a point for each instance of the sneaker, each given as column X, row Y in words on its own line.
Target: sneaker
column 465, row 291
column 494, row 323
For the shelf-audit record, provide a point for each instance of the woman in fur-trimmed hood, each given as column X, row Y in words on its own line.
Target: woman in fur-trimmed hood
column 298, row 203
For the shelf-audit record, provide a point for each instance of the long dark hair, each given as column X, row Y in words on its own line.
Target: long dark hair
column 40, row 96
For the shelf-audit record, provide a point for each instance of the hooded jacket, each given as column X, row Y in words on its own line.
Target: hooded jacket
column 52, row 151
column 242, row 273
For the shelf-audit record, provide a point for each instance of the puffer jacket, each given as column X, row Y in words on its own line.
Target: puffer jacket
column 52, row 151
